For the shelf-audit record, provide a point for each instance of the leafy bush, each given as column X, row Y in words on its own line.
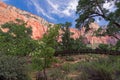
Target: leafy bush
column 104, row 46
column 95, row 73
column 56, row 74
column 12, row 68
column 102, row 69
column 67, row 68
column 117, row 46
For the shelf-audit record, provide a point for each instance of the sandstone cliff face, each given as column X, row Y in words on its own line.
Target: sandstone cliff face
column 10, row 13
column 98, row 40
column 39, row 25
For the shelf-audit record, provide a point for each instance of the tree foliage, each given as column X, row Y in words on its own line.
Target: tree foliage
column 104, row 46
column 68, row 42
column 17, row 40
column 44, row 54
column 66, row 36
column 88, row 10
column 46, row 48
column 118, row 45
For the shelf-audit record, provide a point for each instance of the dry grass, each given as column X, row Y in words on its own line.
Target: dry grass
column 77, row 58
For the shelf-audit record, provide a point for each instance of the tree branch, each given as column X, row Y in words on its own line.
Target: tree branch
column 100, row 8
column 107, row 18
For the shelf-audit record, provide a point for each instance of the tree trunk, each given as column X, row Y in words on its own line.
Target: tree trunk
column 44, row 70
column 39, row 76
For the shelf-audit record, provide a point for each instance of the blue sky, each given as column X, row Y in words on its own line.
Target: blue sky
column 55, row 11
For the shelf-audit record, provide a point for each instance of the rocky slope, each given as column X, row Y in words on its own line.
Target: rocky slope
column 10, row 13
column 39, row 25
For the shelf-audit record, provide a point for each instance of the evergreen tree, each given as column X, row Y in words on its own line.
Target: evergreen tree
column 66, row 36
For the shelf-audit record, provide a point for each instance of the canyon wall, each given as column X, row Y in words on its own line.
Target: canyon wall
column 39, row 25
column 10, row 13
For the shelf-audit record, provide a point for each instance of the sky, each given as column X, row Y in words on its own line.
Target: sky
column 55, row 11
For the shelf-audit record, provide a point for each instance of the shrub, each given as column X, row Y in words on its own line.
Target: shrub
column 57, row 74
column 12, row 68
column 117, row 46
column 95, row 73
column 67, row 68
column 102, row 69
column 104, row 47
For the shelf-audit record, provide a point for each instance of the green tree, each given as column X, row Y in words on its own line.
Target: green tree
column 68, row 42
column 17, row 40
column 89, row 9
column 104, row 46
column 66, row 36
column 117, row 46
column 78, row 44
column 44, row 54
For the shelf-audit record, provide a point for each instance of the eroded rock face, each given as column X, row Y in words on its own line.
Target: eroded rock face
column 10, row 13
column 39, row 25
column 91, row 39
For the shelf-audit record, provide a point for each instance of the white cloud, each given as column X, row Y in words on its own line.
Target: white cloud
column 54, row 6
column 110, row 6
column 63, row 8
column 60, row 8
column 39, row 9
column 71, row 8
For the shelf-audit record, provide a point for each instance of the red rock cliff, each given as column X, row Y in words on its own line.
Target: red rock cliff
column 10, row 13
column 39, row 25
